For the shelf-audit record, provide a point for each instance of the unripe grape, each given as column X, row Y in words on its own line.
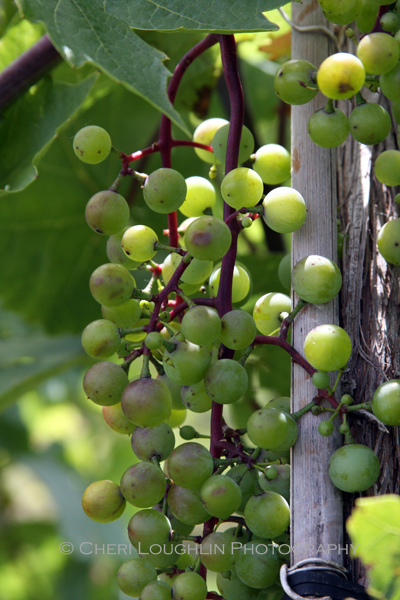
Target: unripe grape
column 146, row 402
column 164, row 190
column 176, row 418
column 316, row 279
column 116, row 420
column 195, row 398
column 200, row 196
column 341, row 76
column 154, row 340
column 138, row 243
column 397, row 198
column 387, row 167
column 92, row 144
column 389, row 241
column 104, row 383
column 139, row 336
column 284, row 210
column 379, row 53
column 186, row 505
column 103, row 502
column 353, row 468
column 256, row 565
column 280, row 484
column 288, row 79
column 156, row 590
column 204, row 134
column 187, row 432
column 271, row 429
column 216, row 554
column 107, row 212
column 201, row 325
column 196, row 273
column 190, row 465
column 101, row 339
column 328, row 129
column 327, row 347
column 143, row 484
column 150, row 442
column 389, row 22
column 208, row 238
column 347, row 400
column 386, row 402
column 116, row 254
column 267, row 310
column 285, row 272
column 221, row 496
column 367, row 16
column 147, row 527
column 111, row 285
column 189, row 586
column 267, row 515
column 187, row 363
column 344, row 429
column 344, row 15
column 369, row 123
column 396, row 111
column 281, row 403
column 390, row 84
column 226, row 381
column 242, row 187
column 134, row 575
column 326, row 428
column 220, row 143
column 233, row 588
column 240, row 283
column 175, row 391
column 271, row 473
column 238, row 329
column 272, row 163
column 321, row 380
column 246, row 222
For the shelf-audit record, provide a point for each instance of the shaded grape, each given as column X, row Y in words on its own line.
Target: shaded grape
column 187, row 363
column 353, row 468
column 216, row 552
column 164, row 190
column 221, row 496
column 201, row 325
column 204, row 134
column 190, row 465
column 107, row 212
column 289, row 79
column 226, row 381
column 103, row 502
column 220, row 142
column 379, row 53
column 189, row 586
column 238, row 329
column 134, row 575
column 369, row 123
column 116, row 420
column 100, row 339
column 116, row 254
column 104, row 383
column 208, row 238
column 195, row 398
column 146, row 402
column 267, row 515
column 111, row 284
column 150, row 442
column 240, row 283
column 186, row 505
column 328, row 128
column 143, row 484
column 386, row 402
column 280, row 484
column 258, row 564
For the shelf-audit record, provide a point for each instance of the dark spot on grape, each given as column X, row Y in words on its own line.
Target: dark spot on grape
column 396, row 243
column 118, row 279
column 280, row 74
column 98, row 151
column 128, row 253
column 344, row 87
column 98, row 230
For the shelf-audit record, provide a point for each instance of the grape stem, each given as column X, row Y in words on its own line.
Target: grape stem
column 290, row 318
column 303, row 410
column 255, row 210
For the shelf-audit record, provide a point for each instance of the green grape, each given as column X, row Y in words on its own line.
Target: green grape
column 396, row 111
column 321, row 380
column 148, row 527
column 379, row 53
column 386, row 402
column 246, row 222
column 156, row 590
column 291, row 437
column 195, row 398
column 316, row 279
column 190, row 465
column 288, row 79
column 367, row 16
column 246, row 485
column 138, row 243
column 180, row 527
column 326, row 428
column 134, row 575
column 216, row 554
column 240, row 283
column 226, row 381
column 204, row 134
column 389, row 22
column 268, row 428
column 111, row 285
column 200, row 196
column 175, row 391
column 189, row 586
column 104, row 383
column 150, row 442
column 238, row 329
column 186, row 505
column 267, row 310
column 101, row 339
column 389, row 241
column 258, row 564
column 281, row 403
column 353, row 468
column 164, row 190
column 242, row 187
column 107, row 212
column 220, row 143
column 397, row 198
column 390, row 84
column 187, row 363
column 284, row 272
column 103, row 502
column 284, row 210
column 344, row 17
column 208, row 238
column 267, row 515
column 280, row 484
column 369, row 123
column 140, row 335
column 327, row 347
column 347, row 400
column 272, row 163
column 116, row 420
column 92, row 144
column 188, row 432
column 143, row 484
column 195, row 274
column 201, row 325
column 146, row 402
column 387, row 167
column 221, row 496
column 154, row 340
column 233, row 588
column 341, row 76
column 344, row 429
column 116, row 254
column 176, row 418
column 328, row 129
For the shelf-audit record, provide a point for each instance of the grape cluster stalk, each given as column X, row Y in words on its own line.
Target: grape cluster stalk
column 194, row 347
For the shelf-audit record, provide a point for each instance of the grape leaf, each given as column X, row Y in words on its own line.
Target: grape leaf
column 374, row 527
column 18, row 37
column 224, row 16
column 82, row 32
column 35, row 118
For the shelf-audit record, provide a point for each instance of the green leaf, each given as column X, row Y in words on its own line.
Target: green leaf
column 28, row 357
column 225, row 16
column 82, row 32
column 18, row 37
column 374, row 527
column 36, row 116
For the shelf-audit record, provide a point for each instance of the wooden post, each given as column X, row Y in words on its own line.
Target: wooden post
column 316, row 505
